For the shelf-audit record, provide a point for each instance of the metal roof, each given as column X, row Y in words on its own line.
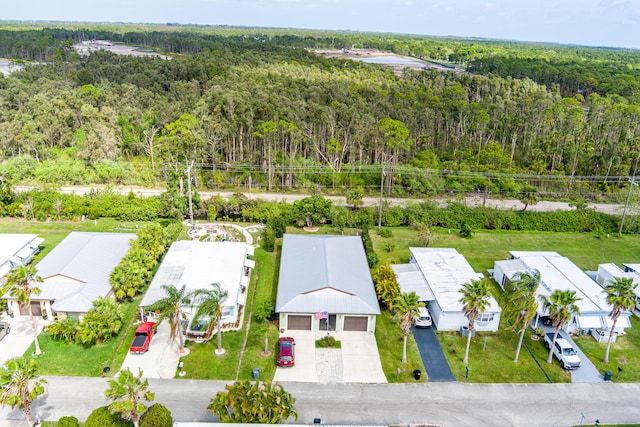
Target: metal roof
column 410, row 279
column 559, row 273
column 325, row 273
column 197, row 265
column 87, row 257
column 446, row 271
column 76, row 272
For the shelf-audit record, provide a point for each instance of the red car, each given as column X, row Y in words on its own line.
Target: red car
column 286, row 351
column 141, row 340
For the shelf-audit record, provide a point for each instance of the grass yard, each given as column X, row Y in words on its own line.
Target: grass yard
column 389, row 340
column 586, row 250
column 491, row 358
column 77, row 360
column 625, row 352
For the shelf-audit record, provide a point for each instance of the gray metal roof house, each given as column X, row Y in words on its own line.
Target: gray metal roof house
column 76, row 272
column 325, row 285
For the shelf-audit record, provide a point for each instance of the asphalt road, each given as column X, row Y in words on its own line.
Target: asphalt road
column 473, row 201
column 444, row 403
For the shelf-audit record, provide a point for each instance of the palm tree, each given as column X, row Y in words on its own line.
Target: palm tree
column 128, row 391
column 170, row 307
column 522, row 303
column 562, row 306
column 622, row 296
column 209, row 302
column 263, row 402
column 475, row 300
column 407, row 307
column 21, row 283
column 19, row 385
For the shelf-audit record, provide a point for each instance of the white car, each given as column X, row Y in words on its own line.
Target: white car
column 424, row 319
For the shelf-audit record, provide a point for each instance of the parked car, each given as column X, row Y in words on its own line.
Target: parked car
column 563, row 351
column 5, row 328
column 143, row 336
column 286, row 351
column 424, row 319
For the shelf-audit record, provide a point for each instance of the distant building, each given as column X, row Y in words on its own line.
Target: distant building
column 437, row 275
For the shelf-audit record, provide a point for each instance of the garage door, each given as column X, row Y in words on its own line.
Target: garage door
column 352, row 323
column 299, row 323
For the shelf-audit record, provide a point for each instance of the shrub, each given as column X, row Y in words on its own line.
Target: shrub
column 102, row 417
column 156, row 415
column 63, row 329
column 268, row 238
column 385, row 232
column 68, row 422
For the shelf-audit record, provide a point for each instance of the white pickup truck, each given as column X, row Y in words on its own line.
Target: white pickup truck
column 563, row 351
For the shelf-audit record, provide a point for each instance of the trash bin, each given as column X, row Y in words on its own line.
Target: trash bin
column 464, row 331
column 608, row 375
column 417, row 373
column 256, row 373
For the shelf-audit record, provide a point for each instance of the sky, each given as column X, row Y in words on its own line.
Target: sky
column 612, row 23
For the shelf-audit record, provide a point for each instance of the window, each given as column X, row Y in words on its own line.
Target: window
column 485, row 317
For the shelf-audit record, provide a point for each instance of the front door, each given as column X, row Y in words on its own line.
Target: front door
column 328, row 324
column 36, row 309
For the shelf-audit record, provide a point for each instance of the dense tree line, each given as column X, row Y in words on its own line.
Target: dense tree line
column 245, row 110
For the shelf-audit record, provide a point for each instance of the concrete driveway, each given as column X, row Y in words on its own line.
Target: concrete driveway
column 161, row 361
column 358, row 361
column 20, row 337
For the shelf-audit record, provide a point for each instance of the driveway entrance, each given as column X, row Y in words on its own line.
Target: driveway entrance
column 432, row 356
column 358, row 361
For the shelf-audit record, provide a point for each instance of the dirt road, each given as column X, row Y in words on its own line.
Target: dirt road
column 472, row 201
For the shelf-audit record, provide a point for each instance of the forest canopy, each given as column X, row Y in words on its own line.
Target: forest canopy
column 257, row 108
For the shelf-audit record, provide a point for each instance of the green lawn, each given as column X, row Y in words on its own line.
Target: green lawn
column 491, row 358
column 61, row 358
column 625, row 352
column 389, row 339
column 486, row 246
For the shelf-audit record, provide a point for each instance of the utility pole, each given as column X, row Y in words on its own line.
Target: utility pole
column 632, row 182
column 382, row 175
column 189, row 191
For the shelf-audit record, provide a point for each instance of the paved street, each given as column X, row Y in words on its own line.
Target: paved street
column 447, row 404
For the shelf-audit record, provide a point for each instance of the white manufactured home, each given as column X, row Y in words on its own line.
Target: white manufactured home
column 437, row 275
column 559, row 273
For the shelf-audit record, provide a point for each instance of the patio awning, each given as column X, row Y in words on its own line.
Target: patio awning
column 586, row 322
column 250, row 250
column 250, row 263
column 622, row 323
